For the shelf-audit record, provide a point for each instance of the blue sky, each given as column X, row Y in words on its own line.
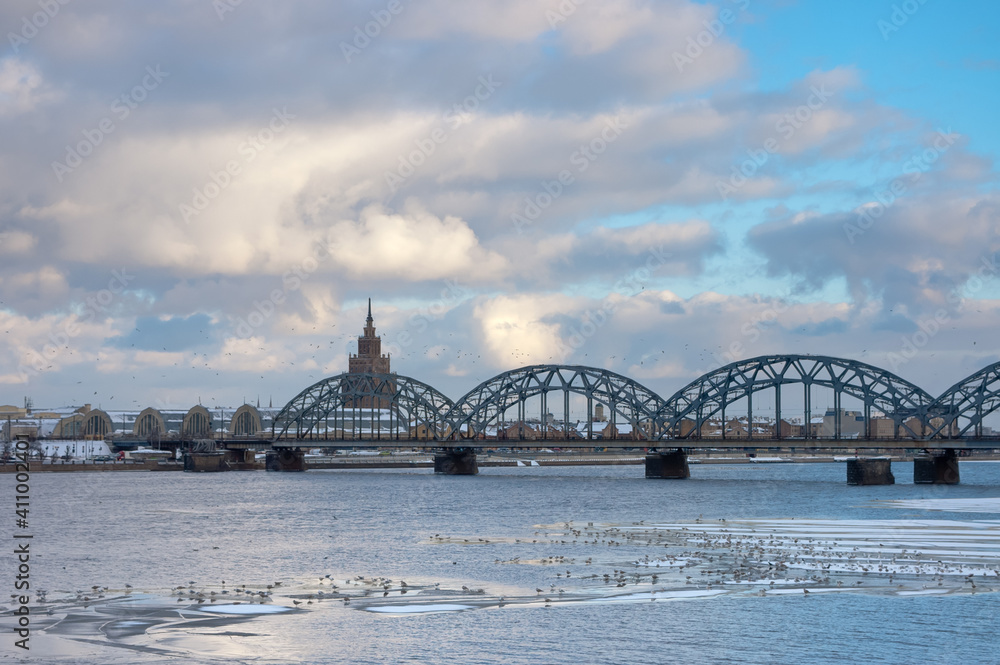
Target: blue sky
column 940, row 65
column 197, row 202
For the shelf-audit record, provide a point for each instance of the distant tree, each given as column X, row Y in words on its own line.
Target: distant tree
column 35, row 450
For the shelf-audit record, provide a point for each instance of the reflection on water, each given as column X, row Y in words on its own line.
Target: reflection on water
column 751, row 563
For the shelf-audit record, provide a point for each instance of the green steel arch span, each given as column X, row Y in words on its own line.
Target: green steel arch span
column 709, row 395
column 960, row 410
column 410, row 405
column 489, row 401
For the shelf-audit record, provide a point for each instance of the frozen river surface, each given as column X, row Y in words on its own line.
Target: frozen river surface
column 739, row 564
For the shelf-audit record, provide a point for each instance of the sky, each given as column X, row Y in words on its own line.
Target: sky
column 198, row 198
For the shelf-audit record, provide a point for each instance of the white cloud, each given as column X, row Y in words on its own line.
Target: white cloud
column 47, row 282
column 22, row 87
column 49, row 344
column 514, row 331
column 254, row 354
column 413, row 245
column 17, row 242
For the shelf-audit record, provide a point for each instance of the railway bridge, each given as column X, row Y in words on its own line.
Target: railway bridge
column 873, row 412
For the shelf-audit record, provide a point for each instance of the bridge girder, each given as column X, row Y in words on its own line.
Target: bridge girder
column 488, row 402
column 412, row 402
column 710, row 393
column 964, row 406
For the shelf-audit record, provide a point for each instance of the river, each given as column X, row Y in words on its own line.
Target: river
column 758, row 563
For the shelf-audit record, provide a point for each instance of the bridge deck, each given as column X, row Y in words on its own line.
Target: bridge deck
column 804, row 445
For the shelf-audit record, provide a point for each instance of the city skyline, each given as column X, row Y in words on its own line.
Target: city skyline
column 720, row 181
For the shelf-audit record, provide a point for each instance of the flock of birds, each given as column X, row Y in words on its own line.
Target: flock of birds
column 747, row 557
column 753, row 558
column 193, row 594
column 721, row 556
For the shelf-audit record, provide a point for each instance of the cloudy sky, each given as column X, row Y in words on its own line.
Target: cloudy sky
column 197, row 198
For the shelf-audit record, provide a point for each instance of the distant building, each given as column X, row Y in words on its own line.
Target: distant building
column 369, row 359
column 518, row 431
column 852, row 424
column 882, row 428
column 13, row 412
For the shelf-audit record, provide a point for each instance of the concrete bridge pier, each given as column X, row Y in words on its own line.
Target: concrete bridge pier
column 212, row 461
column 457, row 462
column 939, row 469
column 285, row 459
column 667, row 465
column 870, row 471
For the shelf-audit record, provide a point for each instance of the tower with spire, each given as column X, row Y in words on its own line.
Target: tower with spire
column 369, row 359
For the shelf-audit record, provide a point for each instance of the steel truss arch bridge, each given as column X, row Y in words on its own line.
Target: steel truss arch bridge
column 960, row 410
column 691, row 407
column 423, row 412
column 489, row 401
column 322, row 410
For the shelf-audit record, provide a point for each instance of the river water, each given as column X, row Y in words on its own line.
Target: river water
column 734, row 550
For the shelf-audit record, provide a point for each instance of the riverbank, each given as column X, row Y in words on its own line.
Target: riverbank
column 61, row 466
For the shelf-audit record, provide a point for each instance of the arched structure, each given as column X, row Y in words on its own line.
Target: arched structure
column 69, row 427
column 962, row 408
column 246, row 421
column 709, row 395
column 149, row 422
column 197, row 423
column 324, row 409
column 97, row 423
column 489, row 401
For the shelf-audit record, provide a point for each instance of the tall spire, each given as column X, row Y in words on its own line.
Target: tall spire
column 369, row 323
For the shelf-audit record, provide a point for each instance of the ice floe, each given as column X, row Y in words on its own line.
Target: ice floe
column 418, row 608
column 245, row 609
column 977, row 505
